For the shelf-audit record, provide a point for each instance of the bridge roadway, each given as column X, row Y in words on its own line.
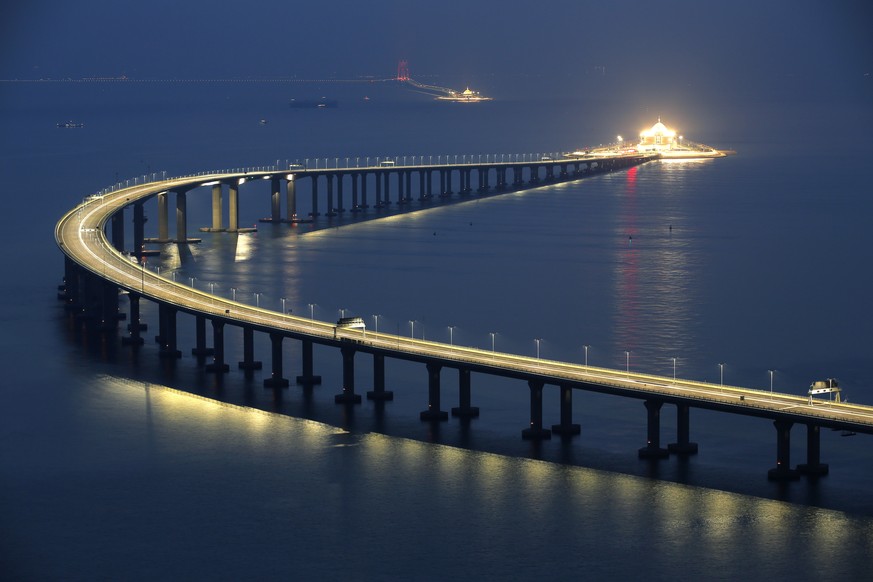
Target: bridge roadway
column 81, row 236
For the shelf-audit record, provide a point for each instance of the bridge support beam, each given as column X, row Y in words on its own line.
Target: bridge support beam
column 314, row 212
column 348, row 395
column 134, row 327
column 218, row 366
column 233, row 208
column 433, row 411
column 138, row 230
column 181, row 218
column 276, row 380
column 464, row 410
column 813, row 465
column 364, row 191
column 783, row 471
column 567, row 426
column 118, row 231
column 275, row 200
column 163, row 218
column 653, row 449
column 683, row 446
column 249, row 363
column 340, row 178
column 291, row 198
column 200, row 348
column 217, row 205
column 331, row 210
column 307, row 378
column 355, row 206
column 167, row 332
column 536, row 431
column 378, row 392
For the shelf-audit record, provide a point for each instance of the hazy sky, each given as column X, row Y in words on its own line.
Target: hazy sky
column 699, row 44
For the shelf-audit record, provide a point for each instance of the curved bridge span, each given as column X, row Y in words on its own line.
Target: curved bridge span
column 97, row 268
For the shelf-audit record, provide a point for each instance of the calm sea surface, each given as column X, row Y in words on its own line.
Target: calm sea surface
column 117, row 465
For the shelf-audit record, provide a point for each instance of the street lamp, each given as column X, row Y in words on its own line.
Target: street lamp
column 771, row 380
column 311, row 310
column 342, row 312
column 493, row 333
column 257, row 299
column 283, row 305
column 721, row 374
column 192, row 281
column 412, row 328
column 233, row 293
column 627, row 362
column 538, row 340
column 376, row 317
column 586, row 346
column 674, row 369
column 451, row 335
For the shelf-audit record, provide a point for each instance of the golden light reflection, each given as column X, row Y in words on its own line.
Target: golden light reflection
column 245, row 247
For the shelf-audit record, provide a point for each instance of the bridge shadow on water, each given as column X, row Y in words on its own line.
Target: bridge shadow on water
column 102, row 353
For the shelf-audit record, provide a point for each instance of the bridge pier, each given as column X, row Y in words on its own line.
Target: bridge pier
column 217, row 205
column 364, row 190
column 182, row 218
column 275, row 200
column 233, row 207
column 348, row 395
column 683, row 446
column 167, row 332
column 276, row 380
column 134, row 327
column 138, row 230
column 307, row 378
column 314, row 212
column 218, row 366
column 536, row 431
column 339, row 193
column 200, row 348
column 331, row 210
column 163, row 218
column 291, row 198
column 118, row 231
column 355, row 206
column 653, row 449
column 813, row 465
column 567, row 426
column 783, row 471
column 249, row 363
column 378, row 392
column 433, row 411
column 386, row 199
column 464, row 410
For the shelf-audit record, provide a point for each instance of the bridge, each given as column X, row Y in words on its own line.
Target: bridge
column 97, row 268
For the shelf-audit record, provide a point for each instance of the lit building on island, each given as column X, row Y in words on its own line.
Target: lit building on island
column 662, row 140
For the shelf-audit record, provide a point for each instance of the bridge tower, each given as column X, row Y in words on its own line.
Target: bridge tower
column 403, row 70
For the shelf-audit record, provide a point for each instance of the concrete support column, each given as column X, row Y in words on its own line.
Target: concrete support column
column 200, row 348
column 138, row 230
column 401, row 192
column 378, row 392
column 433, row 411
column 167, row 332
column 217, row 204
column 428, row 184
column 118, row 230
column 276, row 380
column 134, row 327
column 782, row 471
column 421, row 188
column 233, row 208
column 218, row 366
column 275, row 200
column 378, row 190
column 331, row 209
column 355, row 206
column 485, row 184
column 364, row 191
column 314, row 212
column 291, row 198
column 348, row 395
column 408, row 196
column 442, row 183
column 386, row 199
column 683, row 446
column 339, row 193
column 536, row 431
column 464, row 410
column 567, row 427
column 653, row 449
column 448, row 190
column 813, row 465
column 307, row 378
column 249, row 363
column 181, row 217
column 163, row 218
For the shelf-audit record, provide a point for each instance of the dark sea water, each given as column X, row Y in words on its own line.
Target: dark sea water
column 117, row 465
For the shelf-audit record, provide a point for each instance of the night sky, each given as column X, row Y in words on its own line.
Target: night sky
column 816, row 46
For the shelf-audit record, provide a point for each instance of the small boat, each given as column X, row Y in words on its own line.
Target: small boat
column 322, row 103
column 263, row 122
column 71, row 125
